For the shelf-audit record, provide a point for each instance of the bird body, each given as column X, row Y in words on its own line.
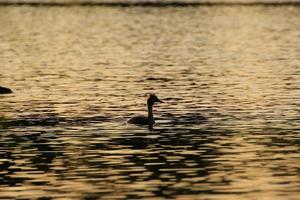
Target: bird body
column 149, row 120
column 142, row 120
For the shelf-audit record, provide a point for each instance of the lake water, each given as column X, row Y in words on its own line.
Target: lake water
column 229, row 127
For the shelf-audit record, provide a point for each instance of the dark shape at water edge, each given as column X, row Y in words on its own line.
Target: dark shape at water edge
column 4, row 90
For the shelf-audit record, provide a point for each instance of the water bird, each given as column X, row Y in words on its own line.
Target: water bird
column 4, row 90
column 149, row 120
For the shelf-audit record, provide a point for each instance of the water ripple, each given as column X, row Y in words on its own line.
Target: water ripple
column 228, row 128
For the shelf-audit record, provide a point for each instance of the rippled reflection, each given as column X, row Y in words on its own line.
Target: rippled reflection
column 229, row 128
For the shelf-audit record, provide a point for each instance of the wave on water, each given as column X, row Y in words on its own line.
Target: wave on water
column 36, row 120
column 154, row 3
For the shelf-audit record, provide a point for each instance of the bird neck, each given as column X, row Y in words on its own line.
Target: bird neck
column 150, row 112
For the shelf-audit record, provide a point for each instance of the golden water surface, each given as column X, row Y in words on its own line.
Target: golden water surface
column 229, row 127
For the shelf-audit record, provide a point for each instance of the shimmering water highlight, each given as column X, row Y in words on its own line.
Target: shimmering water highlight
column 229, row 127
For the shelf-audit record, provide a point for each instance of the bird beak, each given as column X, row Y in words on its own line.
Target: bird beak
column 160, row 101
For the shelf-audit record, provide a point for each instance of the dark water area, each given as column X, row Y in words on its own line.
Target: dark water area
column 229, row 127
